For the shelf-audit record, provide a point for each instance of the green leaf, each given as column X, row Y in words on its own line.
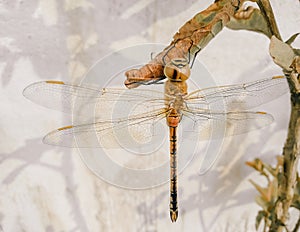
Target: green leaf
column 263, row 191
column 282, row 53
column 250, row 19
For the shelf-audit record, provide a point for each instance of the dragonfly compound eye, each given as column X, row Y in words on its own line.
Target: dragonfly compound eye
column 177, row 70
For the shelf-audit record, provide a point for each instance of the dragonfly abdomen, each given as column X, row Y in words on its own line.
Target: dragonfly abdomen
column 173, row 120
column 173, row 174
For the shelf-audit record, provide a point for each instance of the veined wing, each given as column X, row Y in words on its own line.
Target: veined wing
column 132, row 131
column 238, row 97
column 65, row 96
column 204, row 124
column 214, row 126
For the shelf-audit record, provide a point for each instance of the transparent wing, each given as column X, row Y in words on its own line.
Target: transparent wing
column 218, row 112
column 213, row 126
column 133, row 131
column 238, row 97
column 60, row 96
column 205, row 125
column 109, row 118
column 65, row 96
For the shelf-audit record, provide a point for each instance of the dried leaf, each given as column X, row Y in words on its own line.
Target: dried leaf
column 280, row 160
column 263, row 191
column 271, row 170
column 261, row 214
column 292, row 39
column 297, row 51
column 261, row 202
column 273, row 191
column 250, row 19
column 257, row 164
column 282, row 53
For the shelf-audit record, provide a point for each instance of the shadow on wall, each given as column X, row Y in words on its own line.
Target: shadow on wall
column 30, row 154
column 217, row 189
column 26, row 35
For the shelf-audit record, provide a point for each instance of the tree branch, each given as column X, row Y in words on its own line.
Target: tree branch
column 291, row 150
column 268, row 14
column 191, row 38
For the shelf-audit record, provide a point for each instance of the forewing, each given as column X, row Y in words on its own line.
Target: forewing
column 237, row 97
column 65, row 96
column 60, row 96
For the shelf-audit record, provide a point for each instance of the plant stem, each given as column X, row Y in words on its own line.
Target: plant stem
column 287, row 179
column 297, row 226
column 291, row 152
column 267, row 12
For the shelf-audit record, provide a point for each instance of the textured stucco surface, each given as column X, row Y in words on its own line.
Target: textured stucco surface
column 44, row 188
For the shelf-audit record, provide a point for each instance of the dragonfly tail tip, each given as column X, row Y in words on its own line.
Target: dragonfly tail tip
column 174, row 215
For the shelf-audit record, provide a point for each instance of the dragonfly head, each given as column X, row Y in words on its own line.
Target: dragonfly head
column 177, row 70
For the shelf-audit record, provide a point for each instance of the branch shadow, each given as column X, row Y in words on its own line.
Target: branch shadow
column 219, row 188
column 30, row 153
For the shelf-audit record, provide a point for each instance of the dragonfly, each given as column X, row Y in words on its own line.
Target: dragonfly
column 215, row 112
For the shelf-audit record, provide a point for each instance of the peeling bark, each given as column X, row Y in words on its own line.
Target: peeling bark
column 193, row 36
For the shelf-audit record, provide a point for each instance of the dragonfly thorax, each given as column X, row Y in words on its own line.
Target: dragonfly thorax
column 177, row 103
column 175, row 107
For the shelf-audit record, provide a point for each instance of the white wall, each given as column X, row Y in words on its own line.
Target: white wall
column 46, row 188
